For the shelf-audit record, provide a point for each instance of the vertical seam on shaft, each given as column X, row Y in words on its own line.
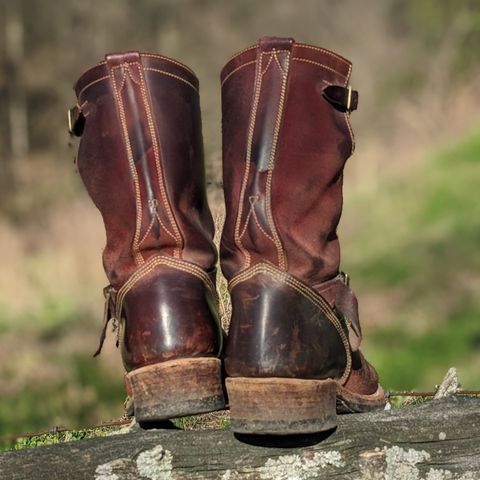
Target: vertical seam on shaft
column 156, row 151
column 347, row 115
column 138, row 201
column 251, row 128
column 282, row 261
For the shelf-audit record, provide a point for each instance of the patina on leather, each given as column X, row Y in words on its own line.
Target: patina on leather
column 286, row 138
column 141, row 159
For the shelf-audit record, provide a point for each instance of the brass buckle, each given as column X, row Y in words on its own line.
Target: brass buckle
column 70, row 121
column 345, row 278
column 349, row 97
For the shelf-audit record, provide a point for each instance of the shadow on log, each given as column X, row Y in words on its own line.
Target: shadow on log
column 438, row 440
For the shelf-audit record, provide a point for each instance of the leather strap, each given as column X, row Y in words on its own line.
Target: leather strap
column 343, row 98
column 76, row 121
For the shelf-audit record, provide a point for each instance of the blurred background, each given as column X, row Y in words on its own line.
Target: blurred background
column 411, row 226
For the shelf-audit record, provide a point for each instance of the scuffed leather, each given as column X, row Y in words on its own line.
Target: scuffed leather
column 286, row 139
column 313, row 144
column 168, row 315
column 278, row 332
column 141, row 159
column 104, row 164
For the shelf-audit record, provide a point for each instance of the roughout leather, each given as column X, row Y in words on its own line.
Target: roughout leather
column 286, row 138
column 141, row 159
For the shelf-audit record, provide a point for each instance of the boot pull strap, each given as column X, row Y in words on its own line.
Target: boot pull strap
column 76, row 121
column 342, row 98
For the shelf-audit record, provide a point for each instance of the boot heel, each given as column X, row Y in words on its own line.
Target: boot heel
column 176, row 388
column 281, row 406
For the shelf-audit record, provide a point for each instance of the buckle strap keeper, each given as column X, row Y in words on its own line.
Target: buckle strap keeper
column 344, row 99
column 76, row 121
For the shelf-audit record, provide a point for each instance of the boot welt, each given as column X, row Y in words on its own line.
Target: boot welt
column 176, row 388
column 287, row 406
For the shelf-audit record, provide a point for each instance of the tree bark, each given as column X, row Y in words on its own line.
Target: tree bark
column 437, row 440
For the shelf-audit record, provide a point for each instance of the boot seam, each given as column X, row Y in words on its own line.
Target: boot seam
column 282, row 259
column 246, row 172
column 138, row 201
column 150, row 266
column 306, row 292
column 160, row 174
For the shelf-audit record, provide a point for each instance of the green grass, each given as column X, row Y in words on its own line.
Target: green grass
column 419, row 240
column 414, row 242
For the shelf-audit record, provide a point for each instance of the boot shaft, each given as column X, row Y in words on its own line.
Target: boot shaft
column 141, row 159
column 286, row 137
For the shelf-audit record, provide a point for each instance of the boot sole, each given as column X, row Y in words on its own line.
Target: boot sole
column 176, row 388
column 284, row 406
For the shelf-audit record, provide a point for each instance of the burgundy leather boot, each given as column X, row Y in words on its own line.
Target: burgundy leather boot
column 292, row 357
column 141, row 159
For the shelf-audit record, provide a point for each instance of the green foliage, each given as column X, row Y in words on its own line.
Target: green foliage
column 61, row 437
column 421, row 244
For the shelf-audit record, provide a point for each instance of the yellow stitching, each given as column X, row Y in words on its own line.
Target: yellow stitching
column 163, row 72
column 251, row 128
column 307, row 293
column 266, row 68
column 274, row 54
column 318, row 65
column 164, row 227
column 124, row 78
column 138, row 202
column 167, row 59
column 106, row 77
column 235, row 55
column 244, row 229
column 156, row 151
column 347, row 115
column 261, row 228
column 323, row 50
column 149, row 266
column 130, row 74
column 236, row 70
column 147, row 232
column 282, row 261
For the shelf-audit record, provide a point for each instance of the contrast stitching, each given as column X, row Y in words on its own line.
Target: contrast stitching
column 147, row 232
column 274, row 55
column 106, row 77
column 244, row 229
column 307, row 293
column 268, row 64
column 236, row 70
column 126, row 71
column 149, row 266
column 282, row 261
column 251, row 129
column 164, row 226
column 235, row 55
column 347, row 114
column 170, row 60
column 318, row 65
column 261, row 228
column 323, row 50
column 254, row 61
column 168, row 74
column 156, row 151
column 138, row 201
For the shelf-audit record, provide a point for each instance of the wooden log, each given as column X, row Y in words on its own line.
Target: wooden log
column 437, row 440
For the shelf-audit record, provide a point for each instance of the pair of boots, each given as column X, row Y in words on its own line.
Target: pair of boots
column 292, row 357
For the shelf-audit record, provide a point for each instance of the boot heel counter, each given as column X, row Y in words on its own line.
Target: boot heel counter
column 170, row 312
column 282, row 328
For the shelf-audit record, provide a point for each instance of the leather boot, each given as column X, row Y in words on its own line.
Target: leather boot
column 292, row 357
column 141, row 159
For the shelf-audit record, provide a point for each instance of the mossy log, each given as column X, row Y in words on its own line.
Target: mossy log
column 436, row 440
